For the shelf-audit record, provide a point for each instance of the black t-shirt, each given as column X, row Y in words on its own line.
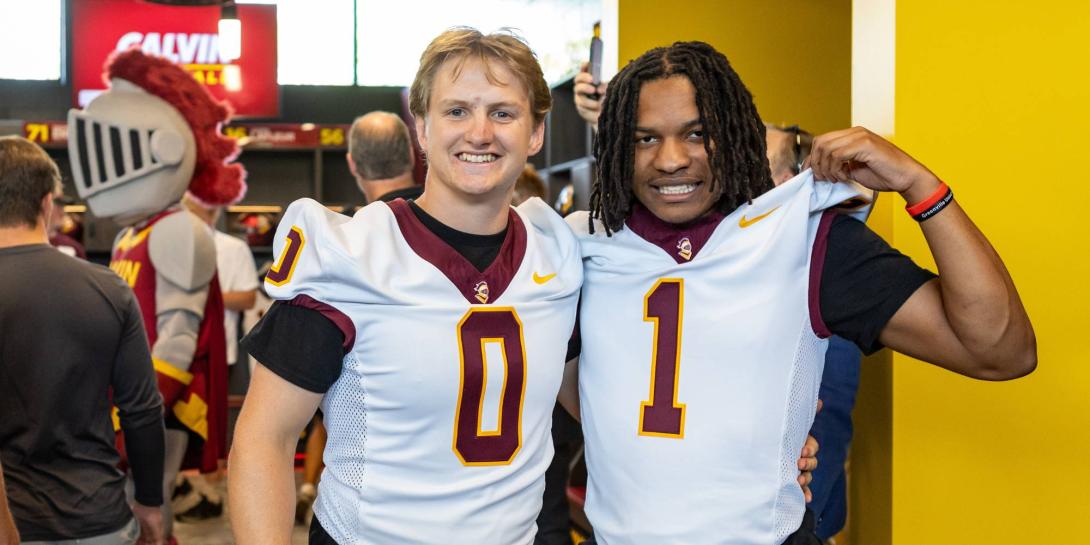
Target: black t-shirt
column 863, row 283
column 480, row 250
column 72, row 343
column 407, row 193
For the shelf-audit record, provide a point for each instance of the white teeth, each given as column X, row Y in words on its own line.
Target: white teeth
column 474, row 158
column 676, row 189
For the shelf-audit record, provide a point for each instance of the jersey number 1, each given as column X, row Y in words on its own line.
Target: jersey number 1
column 661, row 415
column 479, row 328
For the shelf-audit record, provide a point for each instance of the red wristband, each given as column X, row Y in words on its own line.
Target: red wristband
column 940, row 195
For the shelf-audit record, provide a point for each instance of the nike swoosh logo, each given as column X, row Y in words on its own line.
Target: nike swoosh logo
column 743, row 223
column 543, row 279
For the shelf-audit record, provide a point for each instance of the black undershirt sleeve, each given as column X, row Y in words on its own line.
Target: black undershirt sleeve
column 140, row 407
column 864, row 282
column 145, row 446
column 299, row 344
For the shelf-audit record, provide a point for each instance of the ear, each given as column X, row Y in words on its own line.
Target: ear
column 421, row 133
column 45, row 210
column 351, row 165
column 780, row 176
column 537, row 139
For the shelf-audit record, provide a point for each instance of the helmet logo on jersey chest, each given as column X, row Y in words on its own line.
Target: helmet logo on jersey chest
column 685, row 248
column 481, row 291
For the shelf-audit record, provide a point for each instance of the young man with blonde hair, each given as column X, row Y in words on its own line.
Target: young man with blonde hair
column 432, row 332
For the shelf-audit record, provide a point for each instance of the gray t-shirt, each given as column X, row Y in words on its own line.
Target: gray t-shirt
column 72, row 344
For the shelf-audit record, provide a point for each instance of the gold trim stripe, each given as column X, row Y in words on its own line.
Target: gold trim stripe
column 171, row 371
column 194, row 414
column 131, row 240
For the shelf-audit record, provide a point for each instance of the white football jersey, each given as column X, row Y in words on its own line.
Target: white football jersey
column 702, row 353
column 439, row 425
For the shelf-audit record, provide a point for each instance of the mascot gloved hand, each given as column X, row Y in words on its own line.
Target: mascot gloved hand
column 135, row 150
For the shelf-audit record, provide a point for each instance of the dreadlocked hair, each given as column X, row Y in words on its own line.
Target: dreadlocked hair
column 734, row 135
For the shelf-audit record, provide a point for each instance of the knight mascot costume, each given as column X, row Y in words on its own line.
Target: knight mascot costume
column 135, row 150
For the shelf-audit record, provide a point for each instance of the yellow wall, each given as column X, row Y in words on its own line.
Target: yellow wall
column 794, row 55
column 995, row 98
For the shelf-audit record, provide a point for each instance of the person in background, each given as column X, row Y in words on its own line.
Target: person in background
column 528, row 185
column 380, row 157
column 236, row 270
column 72, row 345
column 788, row 149
column 198, row 496
column 588, row 97
column 166, row 254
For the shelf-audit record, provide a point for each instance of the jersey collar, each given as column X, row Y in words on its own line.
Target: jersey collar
column 681, row 241
column 476, row 286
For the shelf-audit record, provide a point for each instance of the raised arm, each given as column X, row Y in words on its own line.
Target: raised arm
column 970, row 320
column 261, row 489
column 588, row 97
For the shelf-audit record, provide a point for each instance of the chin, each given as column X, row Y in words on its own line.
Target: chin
column 478, row 189
column 680, row 218
column 676, row 213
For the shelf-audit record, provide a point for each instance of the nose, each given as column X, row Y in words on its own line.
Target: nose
column 671, row 156
column 479, row 133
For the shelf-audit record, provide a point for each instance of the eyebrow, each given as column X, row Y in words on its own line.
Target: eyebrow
column 687, row 125
column 451, row 102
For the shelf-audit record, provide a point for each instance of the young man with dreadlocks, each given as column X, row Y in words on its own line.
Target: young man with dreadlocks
column 708, row 297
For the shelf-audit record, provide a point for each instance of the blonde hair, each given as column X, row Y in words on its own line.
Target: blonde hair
column 460, row 43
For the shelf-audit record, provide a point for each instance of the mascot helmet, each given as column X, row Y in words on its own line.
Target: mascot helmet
column 140, row 145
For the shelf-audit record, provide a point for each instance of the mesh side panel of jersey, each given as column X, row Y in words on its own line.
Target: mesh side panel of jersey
column 345, row 418
column 805, row 381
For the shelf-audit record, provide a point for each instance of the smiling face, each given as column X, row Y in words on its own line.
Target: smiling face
column 477, row 133
column 671, row 177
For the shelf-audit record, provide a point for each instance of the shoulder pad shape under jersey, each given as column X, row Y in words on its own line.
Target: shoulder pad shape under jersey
column 183, row 251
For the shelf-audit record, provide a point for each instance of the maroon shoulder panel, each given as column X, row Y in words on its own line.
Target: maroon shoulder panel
column 817, row 265
column 343, row 322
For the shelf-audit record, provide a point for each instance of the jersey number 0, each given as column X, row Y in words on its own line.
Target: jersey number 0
column 479, row 328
